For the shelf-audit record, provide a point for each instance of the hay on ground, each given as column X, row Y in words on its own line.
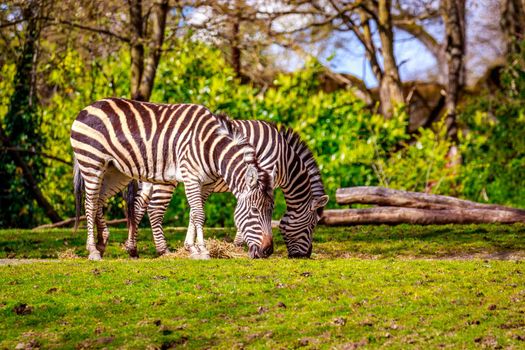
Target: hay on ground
column 69, row 253
column 218, row 250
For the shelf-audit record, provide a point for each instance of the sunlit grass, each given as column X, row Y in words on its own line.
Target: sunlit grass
column 359, row 241
column 406, row 296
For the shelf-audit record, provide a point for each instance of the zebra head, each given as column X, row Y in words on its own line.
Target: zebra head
column 297, row 227
column 253, row 214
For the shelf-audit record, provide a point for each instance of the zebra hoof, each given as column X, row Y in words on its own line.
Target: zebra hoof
column 133, row 253
column 164, row 252
column 195, row 256
column 203, row 252
column 205, row 256
column 101, row 250
column 95, row 256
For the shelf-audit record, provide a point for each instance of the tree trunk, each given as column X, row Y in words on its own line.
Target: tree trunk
column 513, row 23
column 396, row 198
column 453, row 13
column 137, row 47
column 394, row 216
column 390, row 90
column 144, row 69
column 234, row 43
column 155, row 49
column 368, row 43
column 23, row 130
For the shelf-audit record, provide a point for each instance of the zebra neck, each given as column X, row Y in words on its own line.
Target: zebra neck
column 235, row 184
column 295, row 182
column 297, row 202
column 231, row 167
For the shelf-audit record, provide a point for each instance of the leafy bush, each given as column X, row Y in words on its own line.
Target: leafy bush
column 493, row 147
column 353, row 145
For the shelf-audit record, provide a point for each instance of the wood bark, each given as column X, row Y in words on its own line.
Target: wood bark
column 136, row 47
column 390, row 90
column 144, row 67
column 396, row 198
column 453, row 13
column 160, row 12
column 366, row 39
column 395, row 215
column 235, row 39
column 513, row 23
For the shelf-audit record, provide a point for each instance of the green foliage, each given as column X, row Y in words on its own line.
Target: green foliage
column 77, row 83
column 353, row 145
column 350, row 142
column 421, row 166
column 21, row 125
column 493, row 148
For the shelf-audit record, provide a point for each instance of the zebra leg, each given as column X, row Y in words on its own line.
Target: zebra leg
column 191, row 235
column 238, row 241
column 93, row 183
column 197, row 249
column 141, row 203
column 189, row 242
column 113, row 182
column 156, row 209
column 102, row 229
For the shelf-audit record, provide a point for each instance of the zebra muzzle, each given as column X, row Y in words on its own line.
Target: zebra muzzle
column 264, row 251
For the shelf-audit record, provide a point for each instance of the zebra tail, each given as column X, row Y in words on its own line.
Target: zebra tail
column 78, row 183
column 130, row 201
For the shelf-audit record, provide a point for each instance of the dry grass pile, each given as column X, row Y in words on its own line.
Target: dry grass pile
column 67, row 254
column 218, row 250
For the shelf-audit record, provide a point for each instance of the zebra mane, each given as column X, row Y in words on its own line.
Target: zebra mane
column 228, row 129
column 301, row 149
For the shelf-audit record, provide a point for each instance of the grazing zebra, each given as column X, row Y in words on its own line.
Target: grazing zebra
column 116, row 140
column 296, row 173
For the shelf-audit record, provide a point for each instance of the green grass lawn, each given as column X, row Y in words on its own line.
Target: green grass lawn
column 369, row 286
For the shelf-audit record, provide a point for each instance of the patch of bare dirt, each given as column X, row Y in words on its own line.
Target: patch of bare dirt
column 4, row 262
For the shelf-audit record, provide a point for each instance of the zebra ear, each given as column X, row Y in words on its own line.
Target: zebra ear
column 319, row 202
column 251, row 177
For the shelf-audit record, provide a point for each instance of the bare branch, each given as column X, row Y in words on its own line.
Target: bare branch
column 13, row 23
column 43, row 154
column 56, row 21
column 410, row 26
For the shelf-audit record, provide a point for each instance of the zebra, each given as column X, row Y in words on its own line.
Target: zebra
column 116, row 140
column 296, row 172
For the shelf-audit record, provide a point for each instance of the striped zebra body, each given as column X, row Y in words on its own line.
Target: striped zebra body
column 116, row 140
column 296, row 172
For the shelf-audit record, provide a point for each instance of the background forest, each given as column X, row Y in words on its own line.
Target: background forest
column 418, row 95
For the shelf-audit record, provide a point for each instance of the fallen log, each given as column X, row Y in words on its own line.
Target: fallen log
column 396, row 198
column 395, row 215
column 71, row 221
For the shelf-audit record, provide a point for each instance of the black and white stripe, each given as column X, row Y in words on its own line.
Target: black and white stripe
column 296, row 172
column 116, row 140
